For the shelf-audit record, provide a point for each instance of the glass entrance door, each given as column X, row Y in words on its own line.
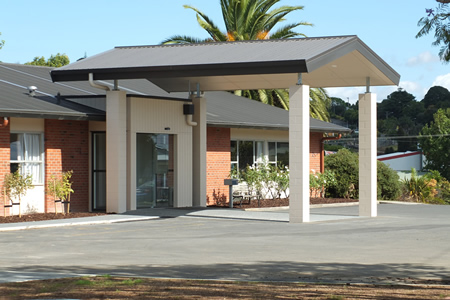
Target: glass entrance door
column 154, row 170
column 98, row 171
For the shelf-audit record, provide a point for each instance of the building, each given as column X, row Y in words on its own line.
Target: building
column 67, row 128
column 142, row 128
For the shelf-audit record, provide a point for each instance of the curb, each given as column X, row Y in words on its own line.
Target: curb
column 75, row 223
column 311, row 206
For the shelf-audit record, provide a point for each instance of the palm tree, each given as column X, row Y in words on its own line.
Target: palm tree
column 255, row 20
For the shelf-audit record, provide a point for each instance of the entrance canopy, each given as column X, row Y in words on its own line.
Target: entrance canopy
column 343, row 61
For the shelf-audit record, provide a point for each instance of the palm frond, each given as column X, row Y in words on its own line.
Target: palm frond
column 182, row 39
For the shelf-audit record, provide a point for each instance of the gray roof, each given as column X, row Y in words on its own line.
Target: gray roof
column 324, row 62
column 78, row 100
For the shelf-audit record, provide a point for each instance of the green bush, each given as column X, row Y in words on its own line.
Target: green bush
column 345, row 166
column 388, row 183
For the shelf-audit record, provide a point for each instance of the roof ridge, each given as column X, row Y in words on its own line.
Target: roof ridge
column 235, row 42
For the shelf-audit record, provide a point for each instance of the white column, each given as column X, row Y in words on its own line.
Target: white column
column 368, row 155
column 299, row 154
column 199, row 152
column 116, row 151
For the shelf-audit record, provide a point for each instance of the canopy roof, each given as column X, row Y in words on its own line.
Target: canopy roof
column 264, row 64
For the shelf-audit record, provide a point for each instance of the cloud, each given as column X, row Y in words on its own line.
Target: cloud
column 414, row 88
column 442, row 80
column 423, row 58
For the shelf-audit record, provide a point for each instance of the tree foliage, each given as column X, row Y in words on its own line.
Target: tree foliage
column 256, row 20
column 435, row 143
column 54, row 61
column 437, row 21
column 2, row 42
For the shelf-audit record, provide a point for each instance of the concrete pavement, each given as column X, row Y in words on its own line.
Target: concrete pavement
column 405, row 243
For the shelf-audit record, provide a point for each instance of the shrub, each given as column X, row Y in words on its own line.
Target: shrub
column 345, row 165
column 16, row 186
column 388, row 183
column 442, row 186
column 421, row 189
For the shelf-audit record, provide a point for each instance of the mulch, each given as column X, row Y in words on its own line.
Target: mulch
column 285, row 202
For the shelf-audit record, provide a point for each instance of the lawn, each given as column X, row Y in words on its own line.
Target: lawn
column 108, row 287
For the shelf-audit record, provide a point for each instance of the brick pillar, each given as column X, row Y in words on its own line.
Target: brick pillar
column 218, row 161
column 67, row 148
column 4, row 159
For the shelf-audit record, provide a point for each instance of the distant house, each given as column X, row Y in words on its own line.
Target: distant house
column 403, row 161
column 56, row 127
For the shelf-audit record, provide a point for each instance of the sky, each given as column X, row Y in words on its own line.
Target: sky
column 33, row 28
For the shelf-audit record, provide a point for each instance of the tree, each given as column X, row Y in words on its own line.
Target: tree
column 438, row 22
column 54, row 61
column 2, row 42
column 436, row 97
column 435, row 143
column 254, row 20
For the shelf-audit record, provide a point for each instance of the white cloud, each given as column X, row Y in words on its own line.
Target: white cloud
column 414, row 88
column 442, row 80
column 423, row 58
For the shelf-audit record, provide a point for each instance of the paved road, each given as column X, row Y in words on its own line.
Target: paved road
column 405, row 241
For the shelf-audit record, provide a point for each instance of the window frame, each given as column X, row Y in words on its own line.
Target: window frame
column 41, row 160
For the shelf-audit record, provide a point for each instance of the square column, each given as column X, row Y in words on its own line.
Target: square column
column 299, row 154
column 116, row 151
column 199, row 152
column 368, row 155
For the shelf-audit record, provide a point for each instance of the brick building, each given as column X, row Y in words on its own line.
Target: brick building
column 67, row 124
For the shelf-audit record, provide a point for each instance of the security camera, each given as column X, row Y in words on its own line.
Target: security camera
column 32, row 90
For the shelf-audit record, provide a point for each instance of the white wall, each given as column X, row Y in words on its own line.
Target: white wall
column 166, row 117
column 405, row 163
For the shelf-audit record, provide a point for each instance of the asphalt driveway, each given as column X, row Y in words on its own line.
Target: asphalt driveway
column 405, row 243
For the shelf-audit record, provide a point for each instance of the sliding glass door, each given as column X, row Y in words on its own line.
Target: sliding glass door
column 154, row 170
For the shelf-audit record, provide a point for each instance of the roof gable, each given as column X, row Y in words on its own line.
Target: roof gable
column 263, row 64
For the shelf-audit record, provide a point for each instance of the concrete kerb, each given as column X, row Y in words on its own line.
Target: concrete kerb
column 109, row 219
column 273, row 214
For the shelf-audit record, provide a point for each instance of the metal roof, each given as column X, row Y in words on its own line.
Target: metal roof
column 78, row 100
column 264, row 64
column 15, row 100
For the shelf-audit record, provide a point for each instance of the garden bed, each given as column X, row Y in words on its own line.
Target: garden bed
column 285, row 202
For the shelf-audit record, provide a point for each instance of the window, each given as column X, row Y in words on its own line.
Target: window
column 278, row 153
column 245, row 153
column 27, row 155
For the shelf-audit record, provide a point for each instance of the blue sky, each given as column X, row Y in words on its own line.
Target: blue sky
column 45, row 27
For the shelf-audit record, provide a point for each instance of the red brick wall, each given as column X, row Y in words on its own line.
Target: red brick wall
column 314, row 151
column 67, row 148
column 218, row 163
column 4, row 162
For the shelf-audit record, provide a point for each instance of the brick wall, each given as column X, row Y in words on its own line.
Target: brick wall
column 314, row 151
column 4, row 162
column 218, row 162
column 67, row 148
